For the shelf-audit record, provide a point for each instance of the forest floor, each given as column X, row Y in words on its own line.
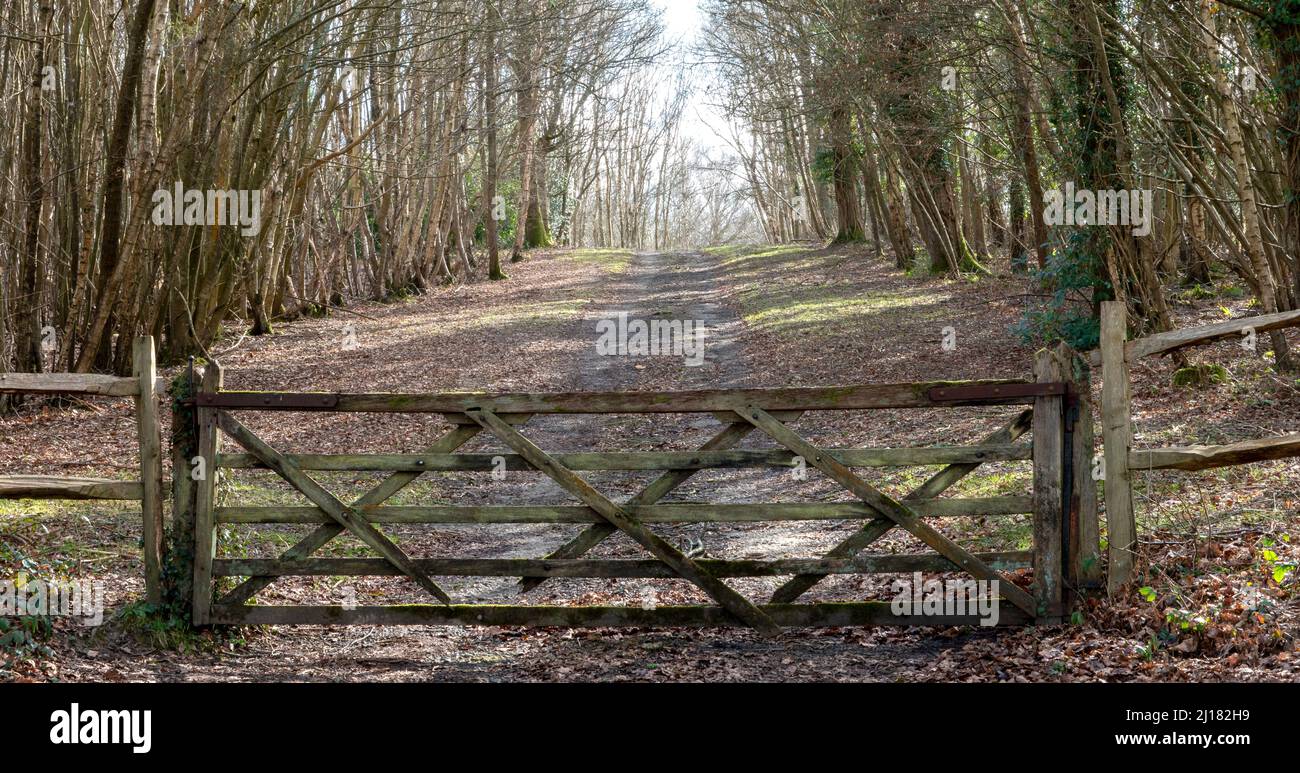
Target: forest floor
column 1216, row 599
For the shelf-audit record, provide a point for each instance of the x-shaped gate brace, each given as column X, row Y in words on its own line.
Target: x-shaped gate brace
column 617, row 517
column 318, row 538
column 345, row 516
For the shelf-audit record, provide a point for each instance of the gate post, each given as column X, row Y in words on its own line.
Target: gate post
column 205, row 541
column 1080, row 539
column 1049, row 458
column 1082, row 543
column 1117, row 435
column 150, row 439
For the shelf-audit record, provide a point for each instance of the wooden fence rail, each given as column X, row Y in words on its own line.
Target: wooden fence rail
column 1115, row 356
column 145, row 387
column 741, row 412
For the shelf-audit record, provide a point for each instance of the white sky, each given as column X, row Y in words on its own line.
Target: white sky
column 682, row 17
column 683, row 21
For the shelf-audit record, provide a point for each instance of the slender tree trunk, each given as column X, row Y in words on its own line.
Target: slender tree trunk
column 111, row 225
column 1244, row 185
column 1022, row 136
column 1287, row 32
column 847, row 207
column 493, row 165
column 28, row 340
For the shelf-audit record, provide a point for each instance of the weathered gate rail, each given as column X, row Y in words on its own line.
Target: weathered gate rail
column 145, row 387
column 1060, row 509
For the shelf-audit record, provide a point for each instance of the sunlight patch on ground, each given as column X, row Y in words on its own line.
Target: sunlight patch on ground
column 734, row 253
column 546, row 311
column 27, row 512
column 824, row 312
column 768, row 255
column 615, row 261
column 771, row 300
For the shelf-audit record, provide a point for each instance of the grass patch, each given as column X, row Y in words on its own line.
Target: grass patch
column 611, row 260
column 737, row 255
column 161, row 628
column 770, row 301
column 993, row 482
column 18, row 514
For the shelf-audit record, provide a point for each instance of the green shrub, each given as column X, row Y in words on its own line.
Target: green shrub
column 1066, row 314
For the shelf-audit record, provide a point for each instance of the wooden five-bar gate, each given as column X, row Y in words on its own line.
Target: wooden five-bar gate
column 1064, row 516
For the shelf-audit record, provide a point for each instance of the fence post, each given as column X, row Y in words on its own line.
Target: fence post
column 150, row 439
column 1117, row 434
column 1049, row 457
column 204, row 529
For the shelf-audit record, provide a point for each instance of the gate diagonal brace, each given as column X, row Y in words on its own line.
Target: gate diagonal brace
column 346, row 516
column 880, row 525
column 731, row 434
column 887, row 506
column 322, row 534
column 733, row 602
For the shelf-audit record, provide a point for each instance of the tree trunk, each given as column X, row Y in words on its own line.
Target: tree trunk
column 1022, row 136
column 1287, row 32
column 1244, row 186
column 110, row 273
column 847, row 207
column 493, row 165
column 28, row 336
